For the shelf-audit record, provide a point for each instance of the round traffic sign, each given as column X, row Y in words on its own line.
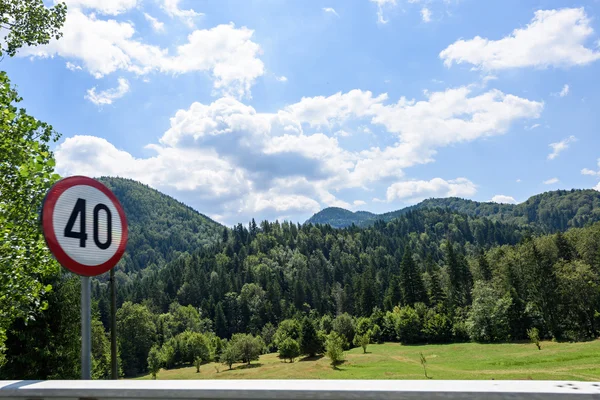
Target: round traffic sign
column 84, row 225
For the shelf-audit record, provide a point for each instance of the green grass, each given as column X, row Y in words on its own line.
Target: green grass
column 556, row 361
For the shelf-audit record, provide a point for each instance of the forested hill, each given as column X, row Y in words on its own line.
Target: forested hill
column 160, row 227
column 546, row 212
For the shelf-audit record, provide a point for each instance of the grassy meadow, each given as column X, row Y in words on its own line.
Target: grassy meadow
column 556, row 361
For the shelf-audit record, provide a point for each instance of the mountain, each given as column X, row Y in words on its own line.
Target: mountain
column 548, row 212
column 160, row 227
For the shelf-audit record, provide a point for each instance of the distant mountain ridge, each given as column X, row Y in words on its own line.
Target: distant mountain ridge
column 160, row 227
column 548, row 212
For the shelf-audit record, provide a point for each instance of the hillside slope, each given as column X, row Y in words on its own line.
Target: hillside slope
column 159, row 226
column 547, row 212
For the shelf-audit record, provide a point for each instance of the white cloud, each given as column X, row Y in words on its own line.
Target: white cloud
column 500, row 198
column 106, row 46
column 451, row 117
column 330, row 11
column 532, row 127
column 108, row 96
column 564, row 91
column 381, row 4
column 230, row 160
column 554, row 38
column 551, row 181
column 359, row 203
column 414, row 191
column 342, row 133
column 172, row 9
column 597, row 187
column 73, row 67
column 281, row 78
column 156, row 25
column 425, row 14
column 108, row 7
column 228, row 52
column 587, row 171
column 518, row 180
column 561, row 146
column 327, row 111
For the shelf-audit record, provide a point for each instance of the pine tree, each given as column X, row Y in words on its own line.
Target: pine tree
column 225, row 236
column 484, row 267
column 436, row 295
column 565, row 250
column 220, row 322
column 367, row 298
column 309, row 340
column 299, row 294
column 393, row 295
column 413, row 289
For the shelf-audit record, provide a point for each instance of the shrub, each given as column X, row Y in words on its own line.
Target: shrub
column 408, row 325
column 289, row 349
column 362, row 341
column 155, row 361
column 376, row 334
column 534, row 336
column 230, row 355
column 334, row 348
column 343, row 325
column 437, row 328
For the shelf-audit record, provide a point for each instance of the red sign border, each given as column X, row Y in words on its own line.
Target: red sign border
column 48, row 229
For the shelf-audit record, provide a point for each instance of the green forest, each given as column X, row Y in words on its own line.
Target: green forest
column 432, row 275
column 191, row 291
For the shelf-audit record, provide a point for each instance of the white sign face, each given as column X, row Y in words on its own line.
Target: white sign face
column 87, row 225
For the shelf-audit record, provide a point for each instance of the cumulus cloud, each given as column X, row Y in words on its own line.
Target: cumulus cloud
column 109, row 95
column 561, row 146
column 564, row 91
column 171, row 8
column 553, row 38
column 502, row 199
column 229, row 159
column 106, row 46
column 281, row 78
column 414, row 191
column 330, row 10
column 156, row 25
column 551, row 181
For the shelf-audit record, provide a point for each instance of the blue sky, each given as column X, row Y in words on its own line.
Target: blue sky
column 276, row 109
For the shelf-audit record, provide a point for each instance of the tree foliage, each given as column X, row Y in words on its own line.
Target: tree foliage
column 29, row 22
column 289, row 349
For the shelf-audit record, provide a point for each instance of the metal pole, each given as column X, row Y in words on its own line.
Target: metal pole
column 86, row 329
column 113, row 325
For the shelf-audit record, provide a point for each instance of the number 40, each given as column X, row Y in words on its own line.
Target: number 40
column 79, row 210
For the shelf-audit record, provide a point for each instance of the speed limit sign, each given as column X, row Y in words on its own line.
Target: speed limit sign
column 85, row 228
column 84, row 225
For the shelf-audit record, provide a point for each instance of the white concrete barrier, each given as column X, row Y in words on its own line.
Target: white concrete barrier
column 299, row 389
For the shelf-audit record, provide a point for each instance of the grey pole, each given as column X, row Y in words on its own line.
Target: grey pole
column 113, row 325
column 86, row 329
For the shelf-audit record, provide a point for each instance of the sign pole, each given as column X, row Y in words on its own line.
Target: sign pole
column 113, row 325
column 86, row 329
